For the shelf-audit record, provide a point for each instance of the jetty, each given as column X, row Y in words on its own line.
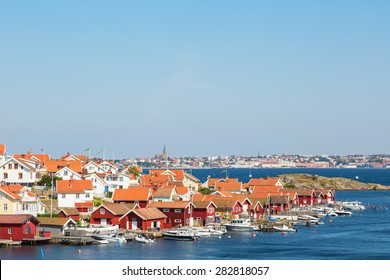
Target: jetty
column 9, row 242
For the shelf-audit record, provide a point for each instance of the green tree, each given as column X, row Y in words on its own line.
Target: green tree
column 204, row 191
column 46, row 180
column 133, row 170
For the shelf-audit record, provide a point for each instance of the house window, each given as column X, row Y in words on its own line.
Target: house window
column 31, row 175
column 9, row 166
column 177, row 221
column 211, row 210
column 20, row 175
column 9, row 230
column 63, row 195
column 5, row 175
column 90, row 209
column 16, row 166
column 177, row 210
column 121, row 179
column 5, row 207
column 199, row 218
column 27, row 230
column 166, row 210
column 87, row 195
column 102, row 211
column 77, row 195
column 65, row 173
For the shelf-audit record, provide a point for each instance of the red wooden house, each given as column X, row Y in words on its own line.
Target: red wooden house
column 204, row 212
column 143, row 218
column 110, row 213
column 69, row 212
column 18, row 226
column 305, row 196
column 228, row 207
column 324, row 197
column 179, row 213
column 279, row 203
column 133, row 195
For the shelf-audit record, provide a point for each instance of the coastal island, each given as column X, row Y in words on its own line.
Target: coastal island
column 308, row 181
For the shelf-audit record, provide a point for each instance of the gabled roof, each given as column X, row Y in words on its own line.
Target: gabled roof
column 55, row 221
column 223, row 193
column 14, row 191
column 70, row 170
column 228, row 185
column 164, row 192
column 173, row 204
column 21, row 162
column 115, row 208
column 17, row 218
column 70, row 211
column 225, row 204
column 263, row 182
column 204, row 204
column 131, row 194
column 55, row 165
column 149, row 213
column 182, row 190
column 304, row 192
column 265, row 189
column 74, row 186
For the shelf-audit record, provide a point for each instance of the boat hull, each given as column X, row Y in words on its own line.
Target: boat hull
column 239, row 228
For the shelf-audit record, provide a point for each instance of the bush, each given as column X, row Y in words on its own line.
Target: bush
column 289, row 186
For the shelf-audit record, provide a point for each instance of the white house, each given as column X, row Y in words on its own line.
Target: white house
column 75, row 193
column 93, row 167
column 14, row 171
column 99, row 184
column 67, row 174
column 109, row 167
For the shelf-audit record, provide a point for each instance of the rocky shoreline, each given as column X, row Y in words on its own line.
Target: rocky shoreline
column 307, row 181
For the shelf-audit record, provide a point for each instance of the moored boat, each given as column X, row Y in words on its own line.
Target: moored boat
column 144, row 239
column 240, row 225
column 184, row 234
column 284, row 228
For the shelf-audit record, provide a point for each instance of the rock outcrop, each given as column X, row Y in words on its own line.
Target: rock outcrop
column 307, row 181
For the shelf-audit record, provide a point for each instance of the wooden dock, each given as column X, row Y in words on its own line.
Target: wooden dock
column 72, row 240
column 9, row 243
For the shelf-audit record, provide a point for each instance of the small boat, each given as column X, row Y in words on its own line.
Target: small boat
column 332, row 214
column 99, row 239
column 284, row 228
column 144, row 239
column 109, row 238
column 343, row 213
column 184, row 234
column 353, row 205
column 240, row 225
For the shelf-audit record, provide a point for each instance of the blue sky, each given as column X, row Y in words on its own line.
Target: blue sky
column 202, row 77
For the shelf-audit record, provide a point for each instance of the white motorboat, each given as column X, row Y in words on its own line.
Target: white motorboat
column 343, row 212
column 353, row 205
column 284, row 228
column 144, row 239
column 240, row 225
column 109, row 238
column 185, row 234
column 332, row 214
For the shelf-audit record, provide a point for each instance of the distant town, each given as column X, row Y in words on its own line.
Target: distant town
column 262, row 161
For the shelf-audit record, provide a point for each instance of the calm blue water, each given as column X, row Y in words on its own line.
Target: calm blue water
column 365, row 235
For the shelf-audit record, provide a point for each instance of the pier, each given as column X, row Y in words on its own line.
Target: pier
column 7, row 242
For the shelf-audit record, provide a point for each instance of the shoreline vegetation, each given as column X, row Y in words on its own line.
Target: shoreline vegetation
column 308, row 181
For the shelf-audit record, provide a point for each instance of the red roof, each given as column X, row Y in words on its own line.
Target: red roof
column 263, row 182
column 74, row 186
column 17, row 219
column 84, row 204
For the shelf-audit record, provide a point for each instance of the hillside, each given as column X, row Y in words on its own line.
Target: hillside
column 305, row 181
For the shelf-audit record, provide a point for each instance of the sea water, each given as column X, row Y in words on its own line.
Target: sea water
column 362, row 236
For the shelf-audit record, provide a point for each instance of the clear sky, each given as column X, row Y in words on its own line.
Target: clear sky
column 202, row 77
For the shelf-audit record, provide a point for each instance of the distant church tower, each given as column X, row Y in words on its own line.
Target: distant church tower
column 165, row 155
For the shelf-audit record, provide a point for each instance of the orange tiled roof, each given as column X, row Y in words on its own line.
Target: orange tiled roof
column 181, row 190
column 260, row 189
column 263, row 182
column 56, row 165
column 73, row 186
column 163, row 192
column 306, row 192
column 229, row 185
column 203, row 204
column 140, row 194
